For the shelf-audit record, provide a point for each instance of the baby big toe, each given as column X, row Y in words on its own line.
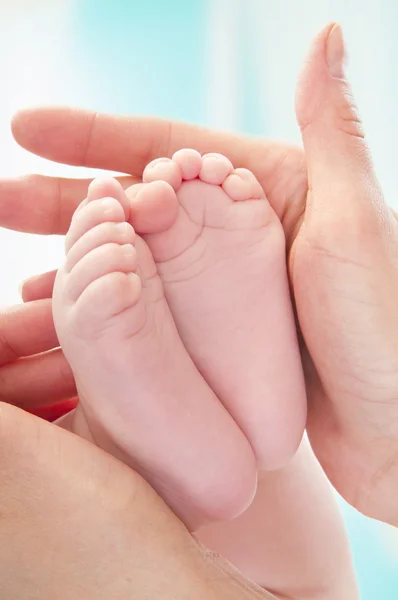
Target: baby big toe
column 154, row 206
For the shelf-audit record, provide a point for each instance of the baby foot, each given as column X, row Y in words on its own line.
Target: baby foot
column 223, row 267
column 141, row 397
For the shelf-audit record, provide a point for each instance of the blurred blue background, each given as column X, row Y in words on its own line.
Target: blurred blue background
column 230, row 64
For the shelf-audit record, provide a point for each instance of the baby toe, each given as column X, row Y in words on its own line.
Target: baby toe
column 153, row 206
column 93, row 214
column 109, row 258
column 103, row 299
column 108, row 187
column 215, row 168
column 163, row 169
column 105, row 233
column 241, row 185
column 189, row 161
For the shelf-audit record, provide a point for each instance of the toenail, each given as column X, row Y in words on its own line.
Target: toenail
column 128, row 250
column 237, row 178
column 157, row 162
column 108, row 205
column 215, row 157
column 123, row 228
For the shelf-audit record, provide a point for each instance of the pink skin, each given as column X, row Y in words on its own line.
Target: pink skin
column 223, row 267
column 221, row 260
column 137, row 384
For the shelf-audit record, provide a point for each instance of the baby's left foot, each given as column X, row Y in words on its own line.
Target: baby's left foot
column 141, row 396
column 223, row 267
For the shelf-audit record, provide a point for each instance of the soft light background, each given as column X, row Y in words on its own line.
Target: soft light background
column 225, row 63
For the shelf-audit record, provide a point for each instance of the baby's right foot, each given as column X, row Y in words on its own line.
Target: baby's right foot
column 136, row 382
column 223, row 266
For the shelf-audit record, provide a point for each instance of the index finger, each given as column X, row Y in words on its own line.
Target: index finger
column 122, row 144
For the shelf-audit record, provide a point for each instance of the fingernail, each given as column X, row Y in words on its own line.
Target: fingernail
column 21, row 287
column 335, row 52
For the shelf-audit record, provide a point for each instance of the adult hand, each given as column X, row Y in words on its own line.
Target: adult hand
column 45, row 205
column 33, row 371
column 344, row 271
column 54, row 487
column 341, row 236
column 76, row 523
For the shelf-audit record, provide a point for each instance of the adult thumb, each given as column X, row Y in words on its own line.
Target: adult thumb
column 340, row 171
column 345, row 280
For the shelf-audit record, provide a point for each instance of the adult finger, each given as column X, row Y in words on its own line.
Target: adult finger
column 38, row 287
column 26, row 329
column 340, row 170
column 33, row 370
column 44, row 205
column 345, row 279
column 37, row 380
column 128, row 144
